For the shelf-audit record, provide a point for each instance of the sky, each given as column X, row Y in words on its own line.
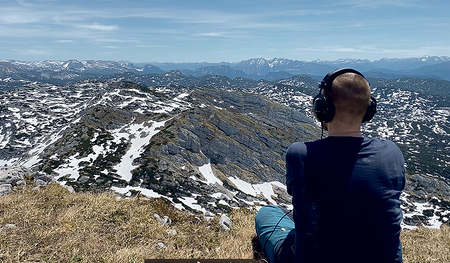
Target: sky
column 222, row 31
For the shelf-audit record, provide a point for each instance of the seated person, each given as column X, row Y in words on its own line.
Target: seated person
column 345, row 188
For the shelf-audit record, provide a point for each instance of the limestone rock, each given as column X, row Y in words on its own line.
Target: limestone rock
column 165, row 221
column 5, row 189
column 11, row 177
column 225, row 222
column 41, row 178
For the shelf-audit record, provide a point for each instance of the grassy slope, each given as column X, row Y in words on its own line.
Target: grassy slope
column 53, row 225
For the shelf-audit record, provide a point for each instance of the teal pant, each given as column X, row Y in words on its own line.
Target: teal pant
column 276, row 233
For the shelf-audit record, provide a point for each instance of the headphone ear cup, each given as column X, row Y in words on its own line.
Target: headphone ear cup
column 371, row 110
column 322, row 108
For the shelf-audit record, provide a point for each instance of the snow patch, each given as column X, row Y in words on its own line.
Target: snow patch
column 139, row 136
column 127, row 191
column 192, row 203
column 265, row 189
column 419, row 208
column 207, row 172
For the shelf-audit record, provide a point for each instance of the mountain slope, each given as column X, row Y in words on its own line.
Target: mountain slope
column 208, row 149
column 205, row 148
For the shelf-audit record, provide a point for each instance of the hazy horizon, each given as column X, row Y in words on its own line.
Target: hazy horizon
column 230, row 62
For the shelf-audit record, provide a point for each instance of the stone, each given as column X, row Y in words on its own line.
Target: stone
column 160, row 246
column 225, row 222
column 424, row 185
column 13, row 175
column 83, row 179
column 165, row 221
column 8, row 226
column 172, row 232
column 42, row 178
column 40, row 182
column 5, row 189
column 69, row 188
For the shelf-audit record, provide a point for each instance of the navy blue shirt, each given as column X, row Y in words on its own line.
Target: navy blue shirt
column 345, row 192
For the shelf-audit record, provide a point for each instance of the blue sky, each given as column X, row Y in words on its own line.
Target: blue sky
column 216, row 31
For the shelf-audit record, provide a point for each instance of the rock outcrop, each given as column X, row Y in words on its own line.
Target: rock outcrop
column 11, row 177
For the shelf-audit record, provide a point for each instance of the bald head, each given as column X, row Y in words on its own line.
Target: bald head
column 350, row 94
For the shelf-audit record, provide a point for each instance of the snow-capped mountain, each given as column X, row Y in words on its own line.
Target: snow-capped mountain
column 409, row 63
column 18, row 73
column 210, row 143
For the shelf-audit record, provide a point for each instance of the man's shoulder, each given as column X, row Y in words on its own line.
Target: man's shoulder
column 382, row 143
column 297, row 149
column 297, row 145
column 385, row 148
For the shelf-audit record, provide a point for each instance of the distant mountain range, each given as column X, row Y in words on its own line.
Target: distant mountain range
column 18, row 73
column 277, row 68
column 258, row 68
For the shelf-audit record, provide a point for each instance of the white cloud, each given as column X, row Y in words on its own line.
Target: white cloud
column 97, row 26
column 112, row 47
column 11, row 16
column 29, row 3
column 385, row 3
column 223, row 34
column 212, row 34
column 65, row 41
column 33, row 51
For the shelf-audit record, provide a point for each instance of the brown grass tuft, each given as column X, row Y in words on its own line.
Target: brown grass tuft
column 53, row 225
column 426, row 245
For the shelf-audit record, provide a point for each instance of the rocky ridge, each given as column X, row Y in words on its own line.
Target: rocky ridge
column 127, row 137
column 203, row 149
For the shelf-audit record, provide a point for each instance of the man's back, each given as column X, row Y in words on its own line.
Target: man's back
column 345, row 188
column 346, row 199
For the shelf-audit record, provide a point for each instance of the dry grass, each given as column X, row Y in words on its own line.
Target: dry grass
column 426, row 245
column 53, row 225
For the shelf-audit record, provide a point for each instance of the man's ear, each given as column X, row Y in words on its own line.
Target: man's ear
column 325, row 126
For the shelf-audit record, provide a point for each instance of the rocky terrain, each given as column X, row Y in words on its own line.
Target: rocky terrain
column 205, row 144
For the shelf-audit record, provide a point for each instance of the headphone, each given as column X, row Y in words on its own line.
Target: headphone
column 323, row 107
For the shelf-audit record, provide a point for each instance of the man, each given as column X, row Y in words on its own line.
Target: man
column 345, row 188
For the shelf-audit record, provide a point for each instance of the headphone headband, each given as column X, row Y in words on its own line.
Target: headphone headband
column 329, row 78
